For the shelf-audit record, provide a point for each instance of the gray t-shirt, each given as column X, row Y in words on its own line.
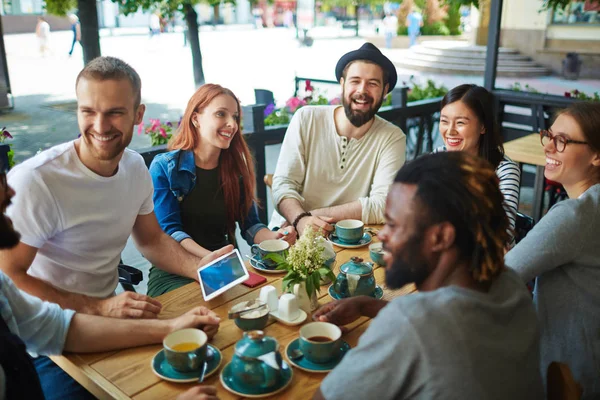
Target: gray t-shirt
column 563, row 251
column 452, row 343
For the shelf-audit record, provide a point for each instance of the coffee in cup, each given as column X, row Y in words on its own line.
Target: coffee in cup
column 349, row 230
column 320, row 342
column 185, row 350
column 271, row 246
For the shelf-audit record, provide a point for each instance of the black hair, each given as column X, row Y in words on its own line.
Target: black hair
column 481, row 103
column 463, row 190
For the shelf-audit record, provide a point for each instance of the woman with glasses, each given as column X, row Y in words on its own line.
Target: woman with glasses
column 563, row 249
column 468, row 123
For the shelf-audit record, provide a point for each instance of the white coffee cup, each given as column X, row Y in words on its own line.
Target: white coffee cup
column 288, row 307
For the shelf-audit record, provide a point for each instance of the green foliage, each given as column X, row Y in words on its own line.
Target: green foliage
column 278, row 117
column 159, row 132
column 60, row 7
column 428, row 91
column 304, row 263
column 459, row 3
column 573, row 94
column 402, row 30
column 436, row 29
column 453, row 19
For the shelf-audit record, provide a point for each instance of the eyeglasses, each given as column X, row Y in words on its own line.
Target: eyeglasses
column 560, row 142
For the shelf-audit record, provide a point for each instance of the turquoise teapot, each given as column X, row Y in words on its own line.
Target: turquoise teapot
column 256, row 362
column 355, row 279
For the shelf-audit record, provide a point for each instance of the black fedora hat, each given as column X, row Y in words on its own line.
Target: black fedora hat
column 368, row 51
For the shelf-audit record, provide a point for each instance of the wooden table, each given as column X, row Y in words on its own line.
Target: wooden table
column 529, row 150
column 127, row 373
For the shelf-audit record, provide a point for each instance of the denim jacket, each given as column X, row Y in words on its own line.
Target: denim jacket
column 174, row 176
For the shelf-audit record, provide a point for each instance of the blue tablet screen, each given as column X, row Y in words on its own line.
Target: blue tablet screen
column 221, row 273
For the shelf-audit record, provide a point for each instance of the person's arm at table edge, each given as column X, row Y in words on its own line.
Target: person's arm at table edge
column 15, row 263
column 164, row 252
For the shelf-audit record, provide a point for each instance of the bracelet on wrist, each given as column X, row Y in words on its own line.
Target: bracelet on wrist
column 299, row 217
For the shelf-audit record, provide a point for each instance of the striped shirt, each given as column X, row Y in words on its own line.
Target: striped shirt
column 509, row 175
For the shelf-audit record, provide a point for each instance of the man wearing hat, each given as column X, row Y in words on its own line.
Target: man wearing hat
column 338, row 162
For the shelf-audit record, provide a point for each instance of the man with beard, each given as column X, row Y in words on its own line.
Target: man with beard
column 337, row 162
column 28, row 322
column 78, row 202
column 470, row 332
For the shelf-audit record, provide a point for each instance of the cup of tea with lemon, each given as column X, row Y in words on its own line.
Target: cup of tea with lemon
column 185, row 350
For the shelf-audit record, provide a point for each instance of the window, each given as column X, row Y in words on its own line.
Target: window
column 578, row 12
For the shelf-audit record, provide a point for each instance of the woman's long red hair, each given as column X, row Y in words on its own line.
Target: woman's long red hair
column 234, row 162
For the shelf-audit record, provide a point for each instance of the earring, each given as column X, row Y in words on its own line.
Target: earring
column 195, row 124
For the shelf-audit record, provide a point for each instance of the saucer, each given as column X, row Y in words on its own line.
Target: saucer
column 163, row 369
column 258, row 265
column 378, row 294
column 290, row 322
column 254, row 393
column 309, row 366
column 365, row 240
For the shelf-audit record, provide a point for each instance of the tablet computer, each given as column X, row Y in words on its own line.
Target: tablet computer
column 222, row 274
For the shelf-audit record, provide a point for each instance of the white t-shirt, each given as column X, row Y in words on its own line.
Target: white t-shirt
column 78, row 220
column 320, row 168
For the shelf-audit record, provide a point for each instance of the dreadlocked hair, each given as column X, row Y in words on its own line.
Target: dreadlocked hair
column 463, row 190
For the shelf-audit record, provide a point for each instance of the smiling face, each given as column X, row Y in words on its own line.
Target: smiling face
column 460, row 128
column 576, row 167
column 362, row 91
column 218, row 123
column 106, row 114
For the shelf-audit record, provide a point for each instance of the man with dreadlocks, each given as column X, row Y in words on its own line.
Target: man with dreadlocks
column 471, row 331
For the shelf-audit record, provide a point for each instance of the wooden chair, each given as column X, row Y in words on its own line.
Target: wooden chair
column 560, row 383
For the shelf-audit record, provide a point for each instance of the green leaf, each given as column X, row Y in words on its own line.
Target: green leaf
column 309, row 287
column 323, row 271
column 278, row 258
column 316, row 278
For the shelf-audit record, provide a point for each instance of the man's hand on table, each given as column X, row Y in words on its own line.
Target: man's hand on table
column 345, row 311
column 339, row 312
column 199, row 393
column 320, row 223
column 199, row 317
column 127, row 305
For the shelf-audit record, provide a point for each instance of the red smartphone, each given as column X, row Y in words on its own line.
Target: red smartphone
column 254, row 280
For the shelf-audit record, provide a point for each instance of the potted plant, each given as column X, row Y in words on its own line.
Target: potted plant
column 6, row 152
column 159, row 132
column 305, row 266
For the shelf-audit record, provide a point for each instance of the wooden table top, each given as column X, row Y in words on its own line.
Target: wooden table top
column 126, row 374
column 527, row 149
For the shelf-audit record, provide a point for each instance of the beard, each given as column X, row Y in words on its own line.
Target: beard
column 359, row 118
column 408, row 266
column 9, row 238
column 107, row 154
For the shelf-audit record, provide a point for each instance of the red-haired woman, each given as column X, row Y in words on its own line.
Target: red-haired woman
column 205, row 183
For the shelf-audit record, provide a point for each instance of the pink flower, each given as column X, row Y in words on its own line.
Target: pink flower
column 335, row 101
column 567, row 94
column 308, row 87
column 294, row 103
column 140, row 128
column 163, row 133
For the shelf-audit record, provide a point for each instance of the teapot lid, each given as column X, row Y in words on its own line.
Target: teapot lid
column 255, row 344
column 356, row 266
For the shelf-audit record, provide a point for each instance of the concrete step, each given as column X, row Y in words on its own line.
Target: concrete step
column 470, row 61
column 458, row 57
column 424, row 50
column 466, row 69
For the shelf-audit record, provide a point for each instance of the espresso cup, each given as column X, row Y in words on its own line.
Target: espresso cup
column 320, row 342
column 350, row 230
column 185, row 350
column 271, row 246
